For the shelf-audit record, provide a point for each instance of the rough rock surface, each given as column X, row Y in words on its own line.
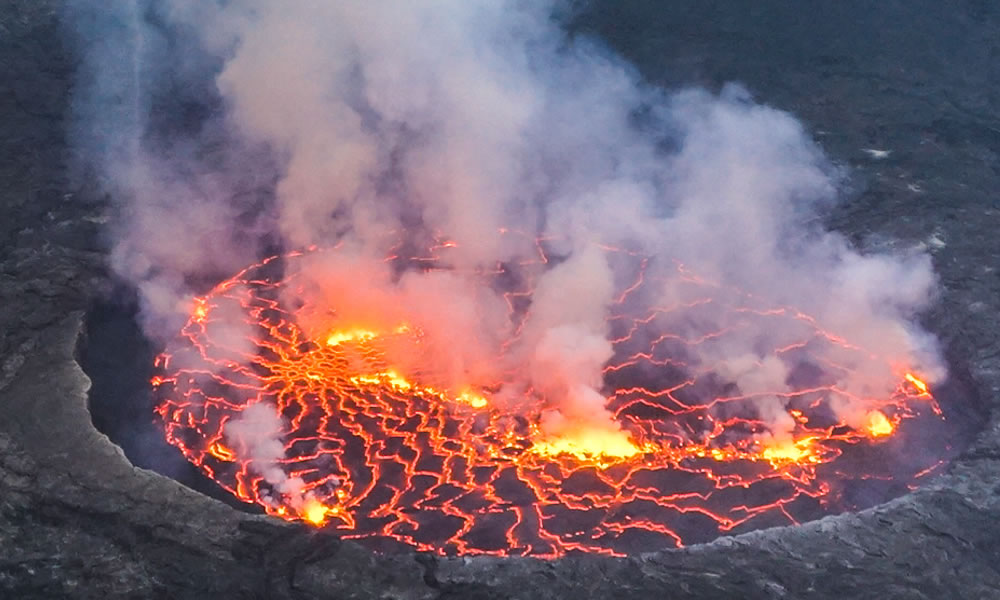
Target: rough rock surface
column 918, row 77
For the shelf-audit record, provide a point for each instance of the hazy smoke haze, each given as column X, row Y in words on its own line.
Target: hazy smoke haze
column 224, row 130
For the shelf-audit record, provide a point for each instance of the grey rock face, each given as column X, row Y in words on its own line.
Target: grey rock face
column 919, row 78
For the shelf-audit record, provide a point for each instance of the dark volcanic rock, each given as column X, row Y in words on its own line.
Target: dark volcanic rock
column 919, row 78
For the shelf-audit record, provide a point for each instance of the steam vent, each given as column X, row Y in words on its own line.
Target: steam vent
column 495, row 299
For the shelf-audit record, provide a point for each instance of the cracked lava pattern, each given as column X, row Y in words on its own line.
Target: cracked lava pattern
column 386, row 459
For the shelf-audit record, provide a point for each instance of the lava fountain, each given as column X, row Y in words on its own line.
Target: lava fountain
column 385, row 454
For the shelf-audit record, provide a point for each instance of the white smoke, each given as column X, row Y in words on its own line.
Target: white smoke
column 256, row 433
column 458, row 119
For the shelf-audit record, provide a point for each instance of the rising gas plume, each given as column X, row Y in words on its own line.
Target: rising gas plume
column 481, row 174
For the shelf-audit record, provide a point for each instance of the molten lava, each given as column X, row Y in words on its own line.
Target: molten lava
column 878, row 424
column 389, row 457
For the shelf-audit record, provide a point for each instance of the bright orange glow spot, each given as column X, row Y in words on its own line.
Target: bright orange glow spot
column 315, row 512
column 221, row 452
column 878, row 424
column 800, row 451
column 383, row 378
column 200, row 310
column 351, row 335
column 360, row 335
column 589, row 444
column 473, row 400
column 399, row 383
column 917, row 383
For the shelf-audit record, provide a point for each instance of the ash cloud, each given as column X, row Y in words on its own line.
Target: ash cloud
column 225, row 130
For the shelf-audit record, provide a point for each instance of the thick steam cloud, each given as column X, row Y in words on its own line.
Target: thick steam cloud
column 382, row 125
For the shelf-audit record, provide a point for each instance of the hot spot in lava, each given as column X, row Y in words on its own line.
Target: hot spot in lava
column 316, row 418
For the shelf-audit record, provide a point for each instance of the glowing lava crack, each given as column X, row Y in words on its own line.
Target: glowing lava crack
column 389, row 459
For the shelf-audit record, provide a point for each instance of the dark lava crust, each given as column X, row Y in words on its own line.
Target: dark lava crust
column 918, row 77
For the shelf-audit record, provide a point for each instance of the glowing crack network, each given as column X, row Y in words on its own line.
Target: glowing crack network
column 386, row 458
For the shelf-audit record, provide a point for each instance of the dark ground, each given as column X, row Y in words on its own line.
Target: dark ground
column 918, row 77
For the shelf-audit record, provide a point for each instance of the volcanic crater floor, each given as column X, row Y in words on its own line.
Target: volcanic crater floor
column 78, row 520
column 423, row 488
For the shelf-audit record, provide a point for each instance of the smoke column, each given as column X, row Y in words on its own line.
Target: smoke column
column 224, row 130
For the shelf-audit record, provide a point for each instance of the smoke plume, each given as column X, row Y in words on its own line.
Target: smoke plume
column 226, row 130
